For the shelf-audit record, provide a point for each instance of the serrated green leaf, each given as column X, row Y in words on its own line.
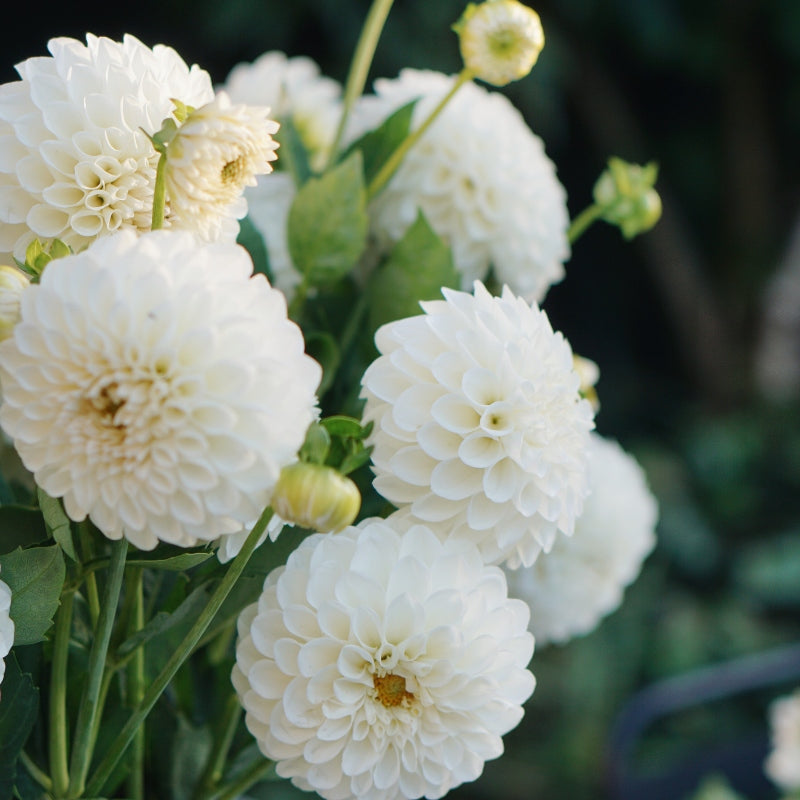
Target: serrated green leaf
column 328, row 223
column 57, row 522
column 35, row 577
column 417, row 268
column 251, row 239
column 21, row 526
column 377, row 146
column 19, row 701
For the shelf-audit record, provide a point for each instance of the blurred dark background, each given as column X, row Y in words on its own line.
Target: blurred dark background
column 695, row 327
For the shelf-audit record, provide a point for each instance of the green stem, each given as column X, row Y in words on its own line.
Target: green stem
column 359, row 67
column 583, row 221
column 136, row 683
column 393, row 162
column 160, row 193
column 59, row 769
column 178, row 657
column 260, row 769
column 216, row 762
column 36, row 772
column 82, row 746
column 92, row 597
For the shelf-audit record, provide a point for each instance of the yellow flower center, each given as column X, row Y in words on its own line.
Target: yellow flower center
column 391, row 689
column 233, row 171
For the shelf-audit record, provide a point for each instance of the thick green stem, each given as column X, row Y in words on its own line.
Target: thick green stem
column 59, row 769
column 179, row 656
column 583, row 221
column 260, row 769
column 222, row 745
column 82, row 747
column 92, row 597
column 136, row 686
column 160, row 194
column 359, row 67
column 394, row 161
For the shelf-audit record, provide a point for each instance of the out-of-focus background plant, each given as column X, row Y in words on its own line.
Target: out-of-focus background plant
column 696, row 326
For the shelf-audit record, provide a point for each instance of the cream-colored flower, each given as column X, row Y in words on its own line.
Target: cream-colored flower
column 383, row 665
column 479, row 427
column 783, row 762
column 13, row 283
column 500, row 40
column 582, row 579
column 6, row 627
column 480, row 176
column 157, row 387
column 295, row 90
column 218, row 151
column 76, row 162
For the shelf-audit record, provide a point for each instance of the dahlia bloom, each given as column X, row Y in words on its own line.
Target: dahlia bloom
column 479, row 426
column 382, row 665
column 13, row 283
column 157, row 387
column 480, row 176
column 218, row 151
column 582, row 579
column 6, row 627
column 783, row 762
column 76, row 159
column 294, row 89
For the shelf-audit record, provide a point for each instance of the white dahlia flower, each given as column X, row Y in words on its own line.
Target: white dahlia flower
column 157, row 387
column 13, row 282
column 6, row 627
column 782, row 765
column 217, row 152
column 295, row 90
column 75, row 159
column 382, row 665
column 479, row 426
column 582, row 579
column 480, row 176
column 230, row 544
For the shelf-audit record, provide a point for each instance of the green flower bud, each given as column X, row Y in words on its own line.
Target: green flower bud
column 625, row 194
column 13, row 283
column 316, row 496
column 500, row 40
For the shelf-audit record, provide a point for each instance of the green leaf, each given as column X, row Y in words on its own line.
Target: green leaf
column 292, row 154
column 35, row 577
column 19, row 701
column 57, row 522
column 769, row 570
column 164, row 621
column 191, row 748
column 417, row 268
column 340, row 425
column 252, row 241
column 178, row 563
column 316, row 445
column 324, row 349
column 328, row 223
column 377, row 146
column 21, row 526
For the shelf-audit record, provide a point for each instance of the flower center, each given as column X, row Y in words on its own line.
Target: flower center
column 391, row 689
column 233, row 171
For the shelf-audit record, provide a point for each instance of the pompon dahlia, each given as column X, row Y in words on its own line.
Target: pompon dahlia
column 295, row 90
column 382, row 665
column 6, row 627
column 782, row 765
column 582, row 579
column 218, row 152
column 157, row 387
column 75, row 159
column 479, row 426
column 480, row 176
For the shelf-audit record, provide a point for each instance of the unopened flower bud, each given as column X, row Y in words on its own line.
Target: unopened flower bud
column 13, row 283
column 626, row 196
column 589, row 374
column 315, row 496
column 500, row 40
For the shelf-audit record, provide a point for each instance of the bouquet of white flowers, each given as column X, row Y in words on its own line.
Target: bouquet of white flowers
column 296, row 469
